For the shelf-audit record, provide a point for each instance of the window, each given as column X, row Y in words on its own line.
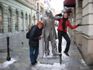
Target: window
column 16, row 24
column 29, row 19
column 10, row 21
column 22, row 21
column 80, row 4
column 1, row 20
column 26, row 19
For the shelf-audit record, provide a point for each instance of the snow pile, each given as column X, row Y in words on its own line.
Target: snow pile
column 55, row 66
column 7, row 63
column 83, row 62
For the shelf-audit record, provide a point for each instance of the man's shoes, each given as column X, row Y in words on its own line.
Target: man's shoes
column 66, row 53
column 33, row 64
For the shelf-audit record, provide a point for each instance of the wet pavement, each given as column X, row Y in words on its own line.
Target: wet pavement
column 73, row 62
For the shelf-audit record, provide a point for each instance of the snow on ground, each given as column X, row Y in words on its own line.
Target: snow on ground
column 55, row 66
column 7, row 63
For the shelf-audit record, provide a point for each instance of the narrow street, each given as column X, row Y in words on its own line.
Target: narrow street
column 73, row 62
column 72, row 19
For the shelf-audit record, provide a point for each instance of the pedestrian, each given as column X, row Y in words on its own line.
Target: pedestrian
column 35, row 35
column 64, row 23
column 49, row 33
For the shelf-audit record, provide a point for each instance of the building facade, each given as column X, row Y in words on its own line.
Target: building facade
column 40, row 9
column 16, row 16
column 83, row 36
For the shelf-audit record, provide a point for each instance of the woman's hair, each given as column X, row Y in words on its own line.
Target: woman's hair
column 64, row 21
column 41, row 23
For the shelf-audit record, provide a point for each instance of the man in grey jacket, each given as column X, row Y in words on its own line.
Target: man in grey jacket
column 49, row 33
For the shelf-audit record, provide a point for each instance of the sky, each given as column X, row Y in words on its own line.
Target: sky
column 57, row 5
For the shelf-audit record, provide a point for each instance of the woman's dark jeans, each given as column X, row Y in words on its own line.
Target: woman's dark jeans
column 66, row 37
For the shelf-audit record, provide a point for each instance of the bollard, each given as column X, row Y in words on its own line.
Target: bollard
column 8, row 50
column 60, row 58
